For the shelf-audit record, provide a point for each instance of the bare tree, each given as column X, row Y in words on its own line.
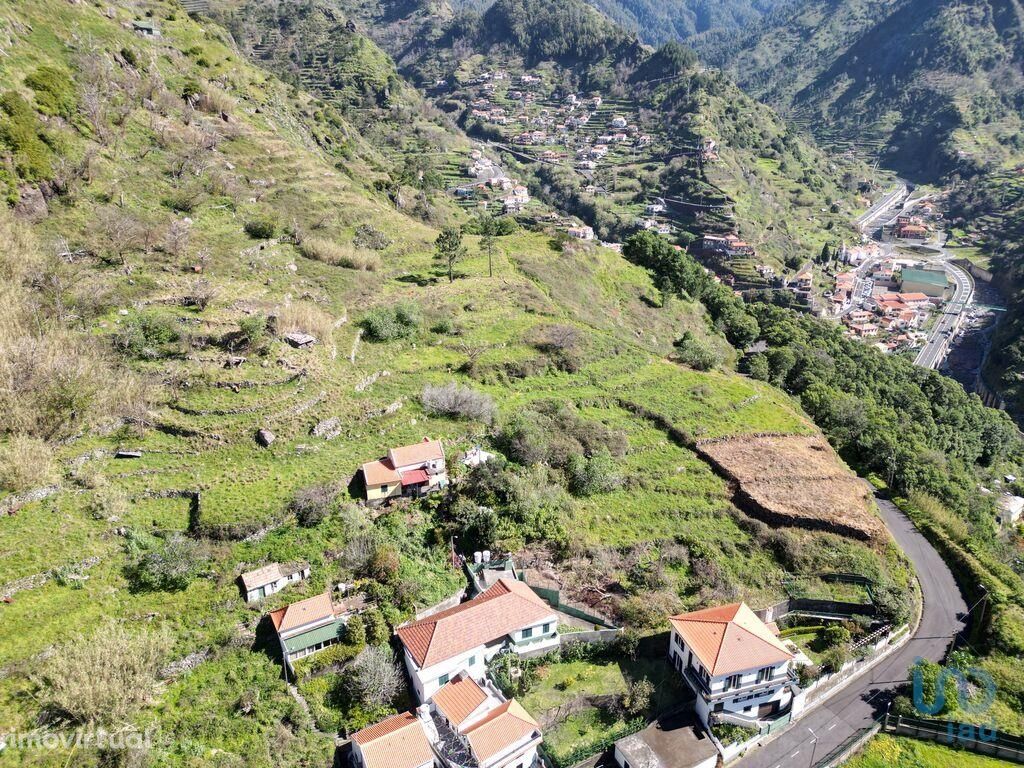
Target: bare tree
column 375, row 676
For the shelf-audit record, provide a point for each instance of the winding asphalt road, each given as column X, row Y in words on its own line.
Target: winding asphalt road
column 830, row 722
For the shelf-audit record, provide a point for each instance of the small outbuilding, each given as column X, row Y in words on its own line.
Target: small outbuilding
column 271, row 579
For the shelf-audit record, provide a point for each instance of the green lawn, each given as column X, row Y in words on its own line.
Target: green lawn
column 562, row 699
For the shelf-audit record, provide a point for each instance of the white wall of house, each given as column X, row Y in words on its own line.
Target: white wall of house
column 274, row 587
column 429, row 680
column 519, row 755
column 752, row 687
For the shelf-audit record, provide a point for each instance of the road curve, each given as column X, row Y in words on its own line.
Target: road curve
column 832, row 721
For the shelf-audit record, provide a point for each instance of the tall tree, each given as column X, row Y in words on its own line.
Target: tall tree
column 449, row 249
column 488, row 240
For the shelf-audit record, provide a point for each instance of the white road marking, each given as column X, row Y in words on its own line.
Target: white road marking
column 831, row 726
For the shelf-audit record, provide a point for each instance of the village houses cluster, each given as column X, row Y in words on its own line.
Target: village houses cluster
column 735, row 663
column 887, row 299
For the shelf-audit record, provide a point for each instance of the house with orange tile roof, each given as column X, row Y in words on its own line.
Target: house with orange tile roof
column 400, row 741
column 508, row 615
column 312, row 624
column 468, row 724
column 473, row 720
column 410, row 470
column 739, row 669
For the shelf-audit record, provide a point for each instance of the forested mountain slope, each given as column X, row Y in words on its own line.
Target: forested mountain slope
column 659, row 22
column 936, row 85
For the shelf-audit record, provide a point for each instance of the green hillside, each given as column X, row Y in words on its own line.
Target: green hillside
column 182, row 211
column 163, row 240
column 778, row 189
column 932, row 85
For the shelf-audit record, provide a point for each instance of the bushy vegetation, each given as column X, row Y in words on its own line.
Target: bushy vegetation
column 392, row 323
column 458, row 402
column 103, row 676
column 163, row 564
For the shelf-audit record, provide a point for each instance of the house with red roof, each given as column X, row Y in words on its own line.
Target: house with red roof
column 739, row 669
column 509, row 615
column 400, row 741
column 410, row 470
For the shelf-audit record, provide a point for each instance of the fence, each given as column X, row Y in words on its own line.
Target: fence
column 591, row 636
column 552, row 595
column 814, row 606
column 444, row 605
column 980, row 739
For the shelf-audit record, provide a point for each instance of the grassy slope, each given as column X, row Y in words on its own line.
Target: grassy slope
column 273, row 157
column 884, row 751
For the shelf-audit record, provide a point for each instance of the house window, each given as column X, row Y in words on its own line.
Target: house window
column 443, row 679
column 764, row 674
column 472, row 661
column 383, row 489
column 545, row 629
column 733, row 681
column 528, row 632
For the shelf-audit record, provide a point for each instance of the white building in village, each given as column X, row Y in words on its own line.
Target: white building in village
column 467, row 723
column 741, row 672
column 464, row 638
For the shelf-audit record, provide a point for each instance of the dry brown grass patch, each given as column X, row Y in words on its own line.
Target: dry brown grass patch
column 303, row 317
column 797, row 480
column 339, row 254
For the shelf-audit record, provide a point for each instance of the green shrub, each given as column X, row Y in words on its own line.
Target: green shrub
column 252, row 330
column 391, row 323
column 164, row 565
column 695, row 353
column 596, row 474
column 835, row 635
column 146, row 335
column 55, row 91
column 261, row 228
column 23, row 134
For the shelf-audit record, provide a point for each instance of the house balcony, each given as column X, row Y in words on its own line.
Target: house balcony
column 700, row 686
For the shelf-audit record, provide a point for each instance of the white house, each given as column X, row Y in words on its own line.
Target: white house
column 271, row 579
column 740, row 671
column 1009, row 508
column 582, row 232
column 467, row 723
column 474, row 717
column 464, row 638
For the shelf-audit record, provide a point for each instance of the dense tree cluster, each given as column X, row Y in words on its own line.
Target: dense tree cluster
column 916, row 428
